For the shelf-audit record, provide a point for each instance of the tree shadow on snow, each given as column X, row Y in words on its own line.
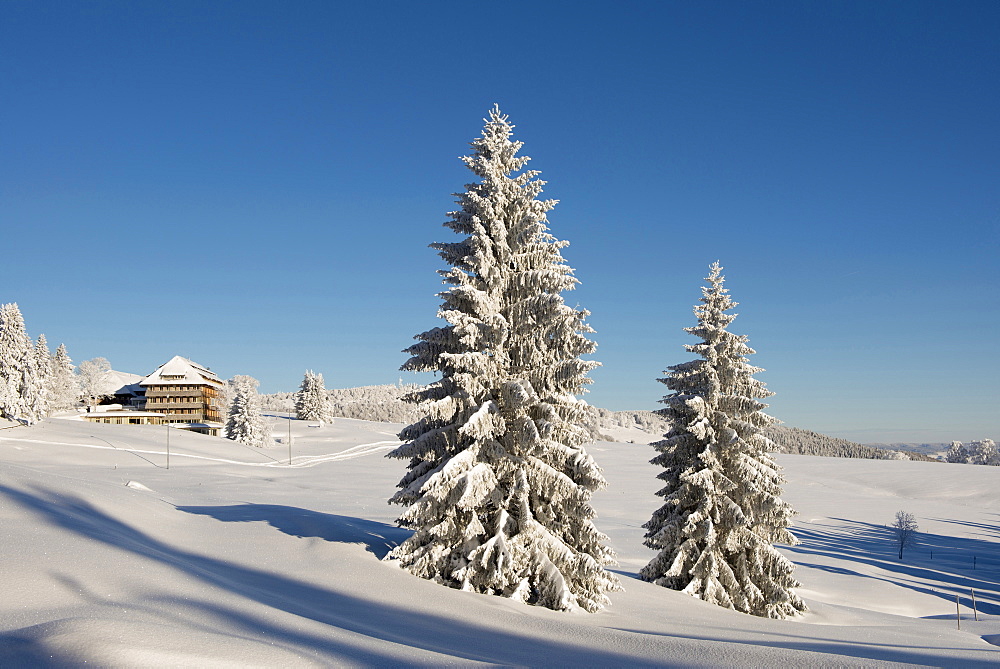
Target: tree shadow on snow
column 937, row 565
column 397, row 630
column 988, row 531
column 378, row 538
column 363, row 631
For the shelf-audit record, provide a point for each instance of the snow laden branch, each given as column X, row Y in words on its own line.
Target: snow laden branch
column 722, row 509
column 499, row 485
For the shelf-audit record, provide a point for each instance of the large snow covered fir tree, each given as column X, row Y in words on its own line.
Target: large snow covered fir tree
column 311, row 402
column 499, row 484
column 722, row 511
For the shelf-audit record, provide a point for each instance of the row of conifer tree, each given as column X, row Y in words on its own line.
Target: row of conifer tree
column 33, row 381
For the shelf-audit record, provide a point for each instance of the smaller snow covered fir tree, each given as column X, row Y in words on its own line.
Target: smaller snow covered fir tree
column 245, row 422
column 722, row 509
column 64, row 384
column 311, row 402
column 40, row 393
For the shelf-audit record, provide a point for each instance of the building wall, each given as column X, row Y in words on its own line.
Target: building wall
column 192, row 403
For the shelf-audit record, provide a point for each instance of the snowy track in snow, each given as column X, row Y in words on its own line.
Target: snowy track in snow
column 358, row 451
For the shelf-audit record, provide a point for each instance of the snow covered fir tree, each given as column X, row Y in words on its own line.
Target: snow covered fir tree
column 499, row 484
column 16, row 363
column 64, row 384
column 245, row 423
column 311, row 402
column 40, row 399
column 722, row 511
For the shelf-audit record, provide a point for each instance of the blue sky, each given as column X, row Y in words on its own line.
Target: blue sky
column 254, row 185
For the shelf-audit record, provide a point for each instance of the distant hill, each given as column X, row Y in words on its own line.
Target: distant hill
column 926, row 449
column 806, row 442
column 384, row 403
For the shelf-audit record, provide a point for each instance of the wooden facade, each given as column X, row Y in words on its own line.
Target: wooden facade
column 185, row 404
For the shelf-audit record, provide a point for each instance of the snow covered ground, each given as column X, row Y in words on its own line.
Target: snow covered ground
column 231, row 557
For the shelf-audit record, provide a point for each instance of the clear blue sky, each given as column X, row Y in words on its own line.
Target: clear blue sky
column 254, row 185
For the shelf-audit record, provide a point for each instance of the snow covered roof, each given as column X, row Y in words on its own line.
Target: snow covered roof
column 179, row 370
column 114, row 383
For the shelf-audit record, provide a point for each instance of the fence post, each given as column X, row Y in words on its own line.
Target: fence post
column 974, row 609
column 958, row 616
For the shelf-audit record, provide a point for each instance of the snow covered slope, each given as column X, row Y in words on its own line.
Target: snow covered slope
column 231, row 557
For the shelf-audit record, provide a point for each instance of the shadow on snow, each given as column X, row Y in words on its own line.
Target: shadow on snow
column 378, row 538
column 396, row 627
column 935, row 564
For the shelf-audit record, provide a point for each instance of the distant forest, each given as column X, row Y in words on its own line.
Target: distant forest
column 385, row 404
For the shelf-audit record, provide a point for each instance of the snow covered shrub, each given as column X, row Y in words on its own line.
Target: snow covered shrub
column 957, row 453
column 311, row 402
column 245, row 422
column 499, row 484
column 722, row 509
column 983, row 452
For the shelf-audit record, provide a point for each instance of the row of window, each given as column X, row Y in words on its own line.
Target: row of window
column 167, row 389
column 121, row 420
column 171, row 400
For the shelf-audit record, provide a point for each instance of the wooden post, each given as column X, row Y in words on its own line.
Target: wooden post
column 974, row 609
column 167, row 423
column 958, row 616
column 289, row 440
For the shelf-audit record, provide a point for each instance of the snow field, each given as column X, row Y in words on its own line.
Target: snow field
column 232, row 558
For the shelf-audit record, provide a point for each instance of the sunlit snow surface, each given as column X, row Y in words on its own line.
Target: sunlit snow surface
column 231, row 557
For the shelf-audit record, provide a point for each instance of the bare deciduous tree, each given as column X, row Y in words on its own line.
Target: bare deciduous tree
column 91, row 375
column 904, row 527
